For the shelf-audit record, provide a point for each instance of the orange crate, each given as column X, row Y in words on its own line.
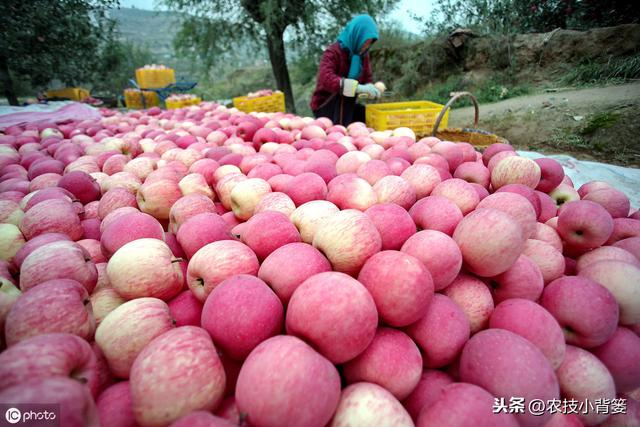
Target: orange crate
column 263, row 104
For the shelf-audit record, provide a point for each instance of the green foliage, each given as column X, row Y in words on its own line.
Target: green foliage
column 614, row 70
column 44, row 39
column 115, row 65
column 603, row 120
column 521, row 16
column 212, row 29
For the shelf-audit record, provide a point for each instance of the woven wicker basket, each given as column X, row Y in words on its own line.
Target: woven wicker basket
column 477, row 137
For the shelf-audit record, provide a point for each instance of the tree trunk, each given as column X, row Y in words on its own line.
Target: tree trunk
column 7, row 83
column 278, row 58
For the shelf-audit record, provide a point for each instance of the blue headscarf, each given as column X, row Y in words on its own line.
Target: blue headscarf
column 358, row 30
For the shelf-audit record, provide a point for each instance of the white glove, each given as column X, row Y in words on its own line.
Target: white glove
column 368, row 91
column 349, row 87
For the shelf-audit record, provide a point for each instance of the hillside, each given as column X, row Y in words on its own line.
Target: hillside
column 153, row 29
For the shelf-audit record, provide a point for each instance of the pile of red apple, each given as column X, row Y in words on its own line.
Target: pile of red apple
column 206, row 267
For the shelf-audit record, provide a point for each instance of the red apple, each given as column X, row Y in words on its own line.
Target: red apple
column 630, row 244
column 305, row 188
column 436, row 213
column 216, row 262
column 523, row 280
column 240, row 313
column 290, row 265
column 49, row 356
column 606, row 253
column 201, row 229
column 114, row 199
column 614, row 201
column 533, row 322
column 176, row 373
column 507, row 365
column 126, row 330
column 185, row 309
column 156, row 198
column 51, row 216
column 351, row 192
column 551, row 174
column 186, row 207
column 76, row 407
column 515, row 170
column 464, row 404
column 441, row 332
column 365, row 404
column 58, row 260
column 459, row 192
column 493, row 149
column 267, row 231
column 623, row 281
column 145, row 268
column 347, row 238
column 401, row 296
column 475, row 299
column 586, row 311
column 129, row 227
column 392, row 360
column 490, row 241
column 429, row 389
column 338, row 331
column 308, row 217
column 620, row 355
column 585, row 378
column 281, row 400
column 548, row 207
column 60, row 305
column 114, row 406
column 473, row 172
column 373, row 170
column 393, row 223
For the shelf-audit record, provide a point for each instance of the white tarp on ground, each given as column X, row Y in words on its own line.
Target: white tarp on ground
column 626, row 180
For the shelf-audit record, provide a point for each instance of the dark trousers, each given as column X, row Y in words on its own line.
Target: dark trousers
column 341, row 110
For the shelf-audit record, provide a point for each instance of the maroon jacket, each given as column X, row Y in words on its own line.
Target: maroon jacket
column 334, row 66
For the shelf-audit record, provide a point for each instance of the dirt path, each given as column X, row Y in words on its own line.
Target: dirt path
column 600, row 123
column 596, row 97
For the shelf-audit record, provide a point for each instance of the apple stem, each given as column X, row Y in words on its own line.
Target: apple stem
column 177, row 260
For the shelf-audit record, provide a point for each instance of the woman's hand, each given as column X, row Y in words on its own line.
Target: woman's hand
column 380, row 86
column 368, row 90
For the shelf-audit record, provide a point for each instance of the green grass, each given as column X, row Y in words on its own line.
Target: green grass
column 563, row 137
column 616, row 70
column 597, row 121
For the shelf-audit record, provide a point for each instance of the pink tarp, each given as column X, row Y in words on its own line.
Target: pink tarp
column 69, row 111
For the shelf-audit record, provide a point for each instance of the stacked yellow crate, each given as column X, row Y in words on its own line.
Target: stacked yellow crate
column 155, row 76
column 139, row 99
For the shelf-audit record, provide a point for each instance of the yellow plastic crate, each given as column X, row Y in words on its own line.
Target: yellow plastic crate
column 155, row 79
column 72, row 93
column 264, row 104
column 420, row 116
column 171, row 104
column 139, row 99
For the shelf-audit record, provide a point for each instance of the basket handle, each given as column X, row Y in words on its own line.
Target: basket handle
column 454, row 97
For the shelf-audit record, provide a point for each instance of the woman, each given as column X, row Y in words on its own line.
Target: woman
column 345, row 72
